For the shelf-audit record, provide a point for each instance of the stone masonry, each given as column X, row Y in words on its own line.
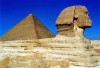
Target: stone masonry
column 68, row 49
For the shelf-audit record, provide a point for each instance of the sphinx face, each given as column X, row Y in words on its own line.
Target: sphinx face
column 81, row 18
column 72, row 21
column 81, row 21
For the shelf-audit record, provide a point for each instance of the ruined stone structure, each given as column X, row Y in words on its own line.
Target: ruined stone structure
column 68, row 49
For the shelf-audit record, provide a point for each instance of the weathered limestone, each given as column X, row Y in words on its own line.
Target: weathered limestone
column 65, row 22
column 28, row 29
column 69, row 49
column 81, row 20
column 57, row 52
column 96, row 45
column 72, row 21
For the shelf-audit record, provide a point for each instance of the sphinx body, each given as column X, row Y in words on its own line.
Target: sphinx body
column 66, row 50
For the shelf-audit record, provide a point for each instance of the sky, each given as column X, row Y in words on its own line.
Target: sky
column 47, row 11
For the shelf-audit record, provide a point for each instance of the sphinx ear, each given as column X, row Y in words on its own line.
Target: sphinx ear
column 75, row 17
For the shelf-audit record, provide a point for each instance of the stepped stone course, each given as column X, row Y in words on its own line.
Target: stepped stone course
column 29, row 28
column 65, row 50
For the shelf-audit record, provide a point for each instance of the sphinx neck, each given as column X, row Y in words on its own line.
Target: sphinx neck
column 79, row 32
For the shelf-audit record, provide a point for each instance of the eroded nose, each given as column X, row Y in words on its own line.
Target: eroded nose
column 88, row 20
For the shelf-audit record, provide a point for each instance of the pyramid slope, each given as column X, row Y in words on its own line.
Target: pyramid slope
column 27, row 30
column 42, row 31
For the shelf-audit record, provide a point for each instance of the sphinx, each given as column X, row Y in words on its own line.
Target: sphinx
column 72, row 21
column 68, row 49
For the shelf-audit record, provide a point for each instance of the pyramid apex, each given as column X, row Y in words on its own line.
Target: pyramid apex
column 30, row 15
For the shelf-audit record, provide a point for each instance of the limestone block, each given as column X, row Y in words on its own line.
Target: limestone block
column 55, row 64
column 4, row 62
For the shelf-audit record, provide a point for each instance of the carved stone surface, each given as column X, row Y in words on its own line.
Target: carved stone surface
column 69, row 49
column 81, row 17
column 65, row 22
column 72, row 21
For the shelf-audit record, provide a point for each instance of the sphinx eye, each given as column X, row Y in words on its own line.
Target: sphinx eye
column 86, row 12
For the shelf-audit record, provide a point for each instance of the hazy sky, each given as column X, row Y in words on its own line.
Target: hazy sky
column 47, row 11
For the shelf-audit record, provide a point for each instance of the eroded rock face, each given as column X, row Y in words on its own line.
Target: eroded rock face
column 72, row 21
column 67, row 50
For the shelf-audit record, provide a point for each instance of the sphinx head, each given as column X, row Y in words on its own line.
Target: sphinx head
column 72, row 21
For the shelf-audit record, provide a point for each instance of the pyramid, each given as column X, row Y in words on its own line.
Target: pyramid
column 28, row 29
